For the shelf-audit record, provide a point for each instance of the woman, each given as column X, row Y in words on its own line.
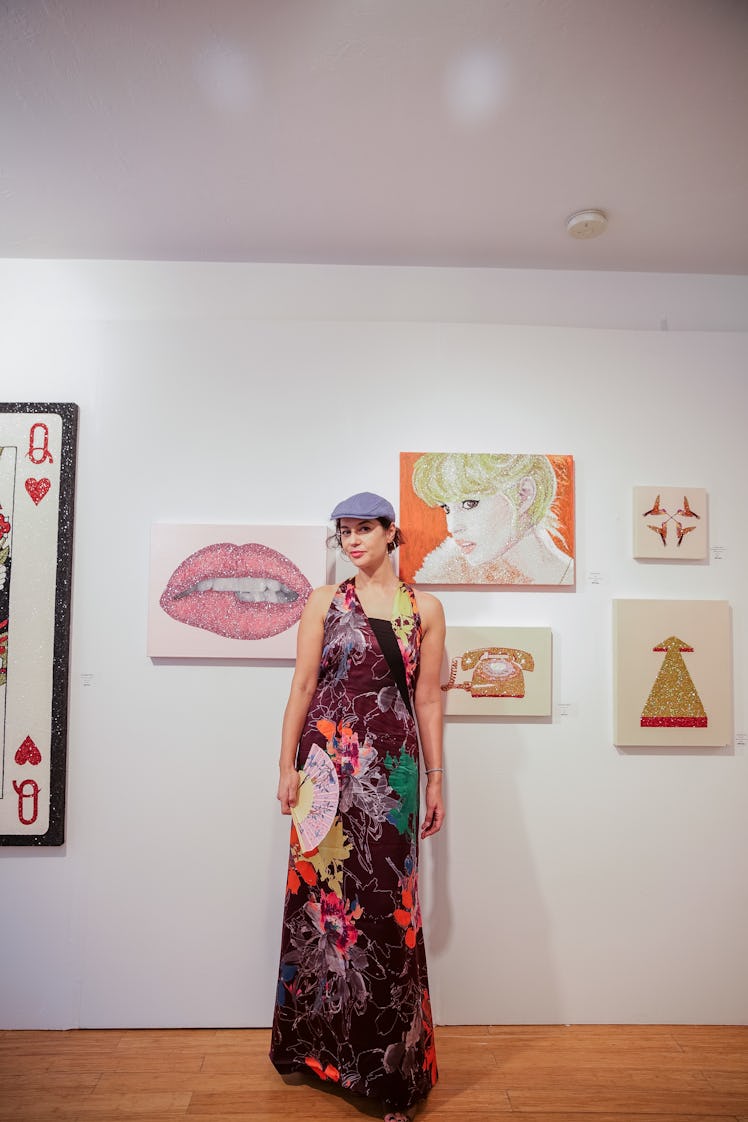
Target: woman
column 499, row 511
column 353, row 1002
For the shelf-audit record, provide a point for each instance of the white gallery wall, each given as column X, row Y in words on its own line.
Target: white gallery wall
column 574, row 882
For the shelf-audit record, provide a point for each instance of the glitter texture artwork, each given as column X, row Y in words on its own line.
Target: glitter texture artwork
column 231, row 591
column 37, row 487
column 497, row 671
column 495, row 518
column 238, row 591
column 670, row 523
column 675, row 691
column 674, row 701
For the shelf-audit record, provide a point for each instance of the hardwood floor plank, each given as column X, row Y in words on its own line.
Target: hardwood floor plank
column 130, row 1061
column 590, row 1077
column 732, row 1060
column 725, row 1104
column 49, row 1082
column 49, row 1043
column 593, row 1046
column 138, row 1116
column 466, row 1102
column 37, row 1113
column 575, row 1116
column 140, row 1102
column 29, row 1108
column 567, row 1056
column 710, row 1033
column 183, row 1040
column 515, row 1065
column 720, row 1080
column 296, row 1103
column 272, row 1116
column 34, row 1064
column 202, row 1082
column 227, row 1063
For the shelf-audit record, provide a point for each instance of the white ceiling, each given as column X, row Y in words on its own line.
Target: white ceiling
column 432, row 132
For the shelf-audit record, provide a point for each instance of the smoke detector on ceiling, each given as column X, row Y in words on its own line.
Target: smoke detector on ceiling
column 586, row 223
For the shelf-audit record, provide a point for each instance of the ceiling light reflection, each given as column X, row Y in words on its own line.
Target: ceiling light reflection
column 476, row 84
column 227, row 76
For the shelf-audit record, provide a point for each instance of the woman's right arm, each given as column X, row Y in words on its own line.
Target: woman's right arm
column 303, row 685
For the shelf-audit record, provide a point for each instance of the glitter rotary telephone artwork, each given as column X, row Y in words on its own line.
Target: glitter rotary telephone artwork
column 497, row 671
column 494, row 672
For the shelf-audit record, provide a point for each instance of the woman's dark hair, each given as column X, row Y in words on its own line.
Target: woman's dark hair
column 398, row 539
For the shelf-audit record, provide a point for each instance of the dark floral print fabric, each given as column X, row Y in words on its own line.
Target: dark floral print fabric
column 353, row 1002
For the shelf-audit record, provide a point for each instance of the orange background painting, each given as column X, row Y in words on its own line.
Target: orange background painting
column 424, row 527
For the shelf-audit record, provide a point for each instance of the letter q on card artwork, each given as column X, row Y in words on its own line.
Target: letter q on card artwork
column 37, row 486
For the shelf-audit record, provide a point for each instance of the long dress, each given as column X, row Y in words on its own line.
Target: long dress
column 353, row 999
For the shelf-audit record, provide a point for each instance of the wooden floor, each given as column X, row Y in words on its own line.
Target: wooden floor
column 555, row 1073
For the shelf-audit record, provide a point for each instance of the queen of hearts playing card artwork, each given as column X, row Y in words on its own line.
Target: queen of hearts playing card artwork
column 37, row 482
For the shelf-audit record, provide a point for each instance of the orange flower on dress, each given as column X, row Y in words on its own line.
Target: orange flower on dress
column 327, row 728
column 327, row 1072
column 298, row 872
column 429, row 1058
column 299, row 869
column 409, row 916
column 342, row 746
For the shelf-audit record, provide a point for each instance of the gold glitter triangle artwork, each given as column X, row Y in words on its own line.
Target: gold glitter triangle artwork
column 674, row 701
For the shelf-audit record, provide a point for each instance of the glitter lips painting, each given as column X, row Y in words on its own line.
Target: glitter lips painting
column 235, row 595
column 239, row 591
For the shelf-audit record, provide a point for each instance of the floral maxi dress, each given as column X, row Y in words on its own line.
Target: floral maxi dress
column 353, row 1001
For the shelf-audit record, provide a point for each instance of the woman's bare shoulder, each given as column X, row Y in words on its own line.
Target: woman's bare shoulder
column 320, row 599
column 430, row 608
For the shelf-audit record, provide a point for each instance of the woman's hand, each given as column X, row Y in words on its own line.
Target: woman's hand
column 288, row 789
column 434, row 817
column 429, row 704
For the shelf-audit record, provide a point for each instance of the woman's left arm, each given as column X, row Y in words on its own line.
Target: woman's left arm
column 428, row 699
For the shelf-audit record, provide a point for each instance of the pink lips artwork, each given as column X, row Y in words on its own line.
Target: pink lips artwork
column 238, row 591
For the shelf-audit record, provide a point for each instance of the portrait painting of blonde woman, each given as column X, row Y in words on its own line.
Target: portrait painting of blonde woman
column 487, row 518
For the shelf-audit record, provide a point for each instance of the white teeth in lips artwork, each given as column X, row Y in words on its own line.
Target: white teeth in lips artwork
column 250, row 590
column 239, row 591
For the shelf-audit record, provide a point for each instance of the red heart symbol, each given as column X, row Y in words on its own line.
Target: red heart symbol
column 28, row 753
column 37, row 489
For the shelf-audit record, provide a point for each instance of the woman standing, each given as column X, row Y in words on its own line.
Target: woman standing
column 353, row 1000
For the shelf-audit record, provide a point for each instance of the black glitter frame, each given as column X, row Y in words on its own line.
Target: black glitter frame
column 55, row 833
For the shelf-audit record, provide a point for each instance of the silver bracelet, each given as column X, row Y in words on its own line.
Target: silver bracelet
column 429, row 770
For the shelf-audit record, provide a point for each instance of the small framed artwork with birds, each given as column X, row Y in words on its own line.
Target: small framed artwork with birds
column 671, row 523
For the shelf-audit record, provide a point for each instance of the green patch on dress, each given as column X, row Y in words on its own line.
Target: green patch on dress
column 403, row 779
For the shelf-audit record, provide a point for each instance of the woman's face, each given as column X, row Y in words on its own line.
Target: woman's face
column 364, row 541
column 483, row 526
